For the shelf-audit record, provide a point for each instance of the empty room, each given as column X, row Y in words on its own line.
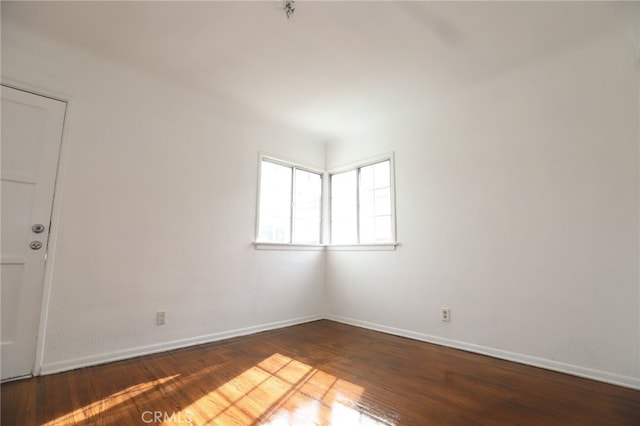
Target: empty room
column 320, row 213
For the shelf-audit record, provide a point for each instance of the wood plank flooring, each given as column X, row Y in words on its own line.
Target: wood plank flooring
column 318, row 373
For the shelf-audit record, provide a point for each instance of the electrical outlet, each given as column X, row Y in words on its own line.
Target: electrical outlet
column 445, row 314
column 161, row 317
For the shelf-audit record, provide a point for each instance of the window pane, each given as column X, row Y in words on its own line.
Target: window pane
column 275, row 203
column 383, row 229
column 367, row 201
column 375, row 203
column 382, row 174
column 291, row 204
column 344, row 208
column 383, row 201
column 367, row 230
column 307, row 208
column 367, row 181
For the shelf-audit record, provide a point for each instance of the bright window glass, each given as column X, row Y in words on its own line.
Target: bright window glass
column 375, row 203
column 275, row 203
column 362, row 205
column 344, row 208
column 290, row 209
column 307, row 207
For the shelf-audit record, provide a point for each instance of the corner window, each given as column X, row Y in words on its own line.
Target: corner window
column 290, row 203
column 362, row 204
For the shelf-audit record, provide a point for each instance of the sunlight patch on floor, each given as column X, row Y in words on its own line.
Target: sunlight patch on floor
column 95, row 408
column 282, row 391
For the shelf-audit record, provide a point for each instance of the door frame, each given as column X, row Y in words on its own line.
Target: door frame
column 47, row 279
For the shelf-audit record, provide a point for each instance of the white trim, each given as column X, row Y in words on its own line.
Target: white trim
column 35, row 90
column 16, row 178
column 258, row 190
column 104, row 358
column 288, row 163
column 362, row 163
column 363, row 247
column 574, row 370
column 15, row 379
column 13, row 260
column 288, row 246
column 259, row 245
column 53, row 236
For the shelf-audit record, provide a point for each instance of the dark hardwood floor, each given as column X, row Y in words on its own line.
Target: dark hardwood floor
column 317, row 373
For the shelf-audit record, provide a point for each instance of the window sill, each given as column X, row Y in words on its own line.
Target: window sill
column 319, row 247
column 288, row 246
column 363, row 247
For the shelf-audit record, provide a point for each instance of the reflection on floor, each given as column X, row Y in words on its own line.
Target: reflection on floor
column 321, row 373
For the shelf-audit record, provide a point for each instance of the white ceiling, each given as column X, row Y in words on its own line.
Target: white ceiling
column 335, row 67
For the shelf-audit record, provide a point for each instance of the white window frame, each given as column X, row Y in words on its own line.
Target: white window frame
column 392, row 244
column 269, row 245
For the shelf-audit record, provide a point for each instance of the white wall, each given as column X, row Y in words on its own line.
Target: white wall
column 155, row 210
column 517, row 207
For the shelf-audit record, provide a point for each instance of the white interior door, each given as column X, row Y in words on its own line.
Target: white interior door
column 30, row 145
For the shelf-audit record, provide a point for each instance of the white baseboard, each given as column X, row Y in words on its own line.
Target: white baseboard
column 602, row 376
column 575, row 370
column 104, row 358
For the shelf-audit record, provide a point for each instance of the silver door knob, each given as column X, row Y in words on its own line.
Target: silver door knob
column 37, row 228
column 35, row 245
